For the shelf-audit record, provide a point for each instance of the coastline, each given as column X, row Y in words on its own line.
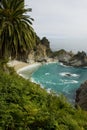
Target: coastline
column 29, row 69
column 20, row 66
column 17, row 64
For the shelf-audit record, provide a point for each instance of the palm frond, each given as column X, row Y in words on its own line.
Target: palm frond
column 16, row 31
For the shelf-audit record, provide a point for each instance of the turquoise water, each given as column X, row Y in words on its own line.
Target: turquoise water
column 60, row 79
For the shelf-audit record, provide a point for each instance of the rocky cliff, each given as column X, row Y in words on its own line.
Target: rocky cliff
column 62, row 55
column 41, row 51
column 76, row 60
column 81, row 96
column 79, row 60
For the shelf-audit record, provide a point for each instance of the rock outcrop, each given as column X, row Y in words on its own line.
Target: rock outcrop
column 69, row 59
column 81, row 96
column 78, row 60
column 63, row 56
column 41, row 51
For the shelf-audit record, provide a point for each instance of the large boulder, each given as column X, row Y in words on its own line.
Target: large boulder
column 81, row 96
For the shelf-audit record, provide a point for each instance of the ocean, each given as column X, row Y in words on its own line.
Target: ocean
column 60, row 79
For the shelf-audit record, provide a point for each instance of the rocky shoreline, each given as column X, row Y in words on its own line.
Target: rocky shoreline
column 71, row 59
column 42, row 53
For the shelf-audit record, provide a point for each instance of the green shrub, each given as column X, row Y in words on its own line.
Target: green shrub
column 26, row 106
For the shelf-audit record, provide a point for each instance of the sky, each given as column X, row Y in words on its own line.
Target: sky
column 61, row 19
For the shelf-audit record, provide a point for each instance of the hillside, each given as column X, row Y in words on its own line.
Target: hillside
column 26, row 106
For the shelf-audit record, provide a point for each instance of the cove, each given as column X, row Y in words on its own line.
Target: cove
column 60, row 79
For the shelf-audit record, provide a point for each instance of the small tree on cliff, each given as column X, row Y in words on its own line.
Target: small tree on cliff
column 16, row 32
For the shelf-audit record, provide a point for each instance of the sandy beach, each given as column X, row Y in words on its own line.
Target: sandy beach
column 17, row 64
column 20, row 66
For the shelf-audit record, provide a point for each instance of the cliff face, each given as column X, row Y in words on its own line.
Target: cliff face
column 63, row 56
column 37, row 55
column 81, row 96
column 79, row 60
column 41, row 51
column 68, row 58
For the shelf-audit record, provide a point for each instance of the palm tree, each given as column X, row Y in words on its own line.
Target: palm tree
column 16, row 32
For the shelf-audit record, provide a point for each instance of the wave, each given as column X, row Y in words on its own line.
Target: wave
column 66, row 90
column 75, row 75
column 52, row 83
column 47, row 73
column 68, row 74
column 49, row 90
column 32, row 80
column 62, row 82
column 60, row 63
column 74, row 81
column 70, row 82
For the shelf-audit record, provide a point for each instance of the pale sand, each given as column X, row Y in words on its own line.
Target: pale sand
column 20, row 66
column 17, row 64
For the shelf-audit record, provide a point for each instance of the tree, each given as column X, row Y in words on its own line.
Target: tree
column 16, row 32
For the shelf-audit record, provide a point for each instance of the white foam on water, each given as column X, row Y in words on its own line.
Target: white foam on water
column 68, row 74
column 62, row 74
column 69, row 81
column 41, row 85
column 32, row 80
column 37, row 82
column 66, row 90
column 49, row 82
column 49, row 90
column 74, row 81
column 47, row 73
column 75, row 75
column 85, row 67
column 64, row 65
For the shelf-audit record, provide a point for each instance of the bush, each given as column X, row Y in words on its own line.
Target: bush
column 26, row 106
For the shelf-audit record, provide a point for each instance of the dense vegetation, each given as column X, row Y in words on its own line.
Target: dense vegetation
column 26, row 106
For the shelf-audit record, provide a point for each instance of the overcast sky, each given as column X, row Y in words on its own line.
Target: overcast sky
column 61, row 18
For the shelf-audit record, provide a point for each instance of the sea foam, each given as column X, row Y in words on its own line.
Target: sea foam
column 68, row 74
